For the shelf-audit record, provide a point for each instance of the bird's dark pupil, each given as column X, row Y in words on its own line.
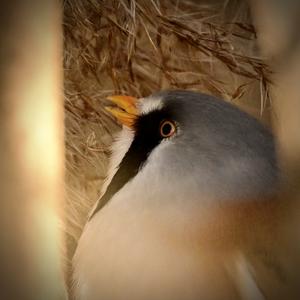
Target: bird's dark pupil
column 166, row 129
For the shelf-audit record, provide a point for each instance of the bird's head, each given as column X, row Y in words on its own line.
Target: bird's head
column 189, row 147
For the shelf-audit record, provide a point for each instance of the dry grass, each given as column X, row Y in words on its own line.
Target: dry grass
column 136, row 48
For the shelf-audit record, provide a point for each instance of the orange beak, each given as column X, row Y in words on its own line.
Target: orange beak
column 125, row 110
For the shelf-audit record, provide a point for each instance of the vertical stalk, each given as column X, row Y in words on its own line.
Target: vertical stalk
column 31, row 145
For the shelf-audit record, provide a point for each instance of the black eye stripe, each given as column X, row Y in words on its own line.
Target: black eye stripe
column 147, row 137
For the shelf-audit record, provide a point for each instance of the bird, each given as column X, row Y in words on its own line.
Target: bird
column 189, row 208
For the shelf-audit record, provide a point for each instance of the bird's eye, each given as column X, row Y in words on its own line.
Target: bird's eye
column 167, row 128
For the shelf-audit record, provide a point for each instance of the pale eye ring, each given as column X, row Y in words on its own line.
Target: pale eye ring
column 167, row 128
